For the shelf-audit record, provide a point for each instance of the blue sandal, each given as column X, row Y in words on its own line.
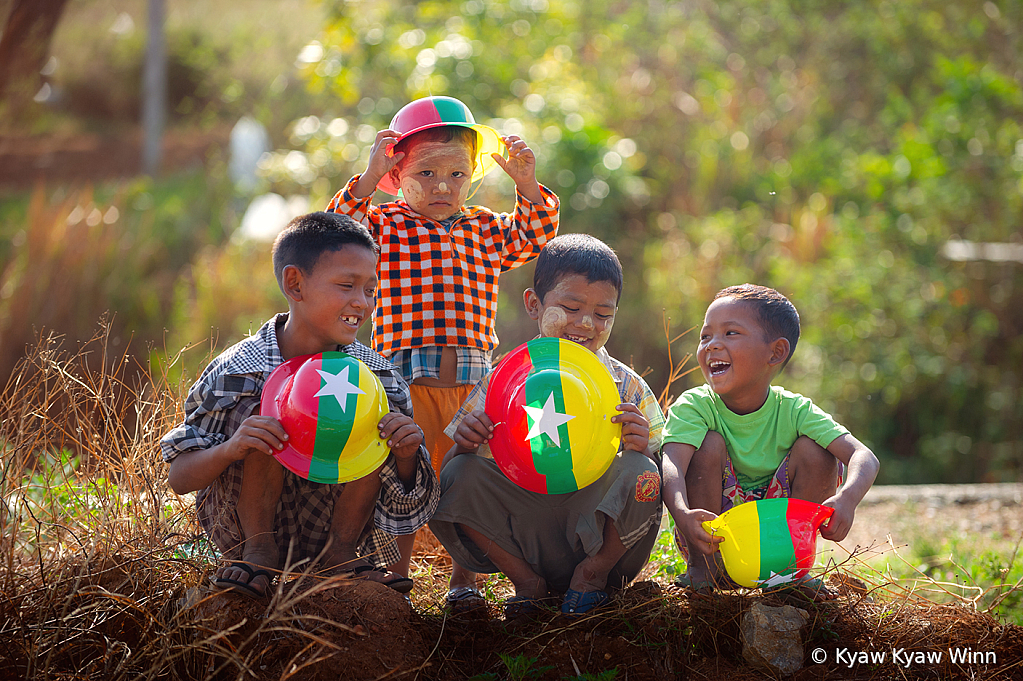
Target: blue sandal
column 582, row 602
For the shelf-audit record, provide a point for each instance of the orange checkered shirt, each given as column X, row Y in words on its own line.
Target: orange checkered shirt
column 438, row 286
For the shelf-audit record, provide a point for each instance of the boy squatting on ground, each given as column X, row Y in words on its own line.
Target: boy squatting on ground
column 581, row 543
column 254, row 509
column 439, row 266
column 738, row 438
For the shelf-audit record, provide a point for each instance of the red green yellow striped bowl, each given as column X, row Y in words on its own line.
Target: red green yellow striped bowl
column 329, row 404
column 769, row 542
column 551, row 401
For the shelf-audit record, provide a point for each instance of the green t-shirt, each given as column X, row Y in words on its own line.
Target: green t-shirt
column 757, row 442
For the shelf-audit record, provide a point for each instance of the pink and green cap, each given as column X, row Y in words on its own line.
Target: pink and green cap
column 434, row 112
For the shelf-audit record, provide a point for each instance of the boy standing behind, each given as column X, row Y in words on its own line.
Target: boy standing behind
column 740, row 439
column 255, row 510
column 440, row 261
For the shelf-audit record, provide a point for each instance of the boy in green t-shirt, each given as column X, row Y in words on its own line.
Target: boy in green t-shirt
column 739, row 438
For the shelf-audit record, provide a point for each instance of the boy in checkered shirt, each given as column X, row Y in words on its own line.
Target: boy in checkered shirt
column 257, row 512
column 440, row 260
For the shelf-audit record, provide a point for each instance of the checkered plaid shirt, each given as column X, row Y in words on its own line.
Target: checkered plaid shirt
column 230, row 389
column 631, row 389
column 438, row 286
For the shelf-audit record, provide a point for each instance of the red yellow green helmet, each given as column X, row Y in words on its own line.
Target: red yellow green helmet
column 437, row 111
column 329, row 405
column 552, row 401
column 769, row 542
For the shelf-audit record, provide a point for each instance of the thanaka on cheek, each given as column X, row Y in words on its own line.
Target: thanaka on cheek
column 553, row 322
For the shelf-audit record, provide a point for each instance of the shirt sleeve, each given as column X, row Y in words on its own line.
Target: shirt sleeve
column 476, row 401
column 214, row 409
column 817, row 424
column 401, row 511
column 688, row 421
column 652, row 411
column 528, row 228
column 361, row 210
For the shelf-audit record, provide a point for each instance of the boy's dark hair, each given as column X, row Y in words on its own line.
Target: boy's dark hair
column 777, row 315
column 309, row 236
column 576, row 254
column 444, row 134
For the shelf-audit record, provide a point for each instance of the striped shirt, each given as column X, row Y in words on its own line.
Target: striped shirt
column 438, row 285
column 631, row 389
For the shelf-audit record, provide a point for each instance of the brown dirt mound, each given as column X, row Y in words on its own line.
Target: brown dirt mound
column 354, row 630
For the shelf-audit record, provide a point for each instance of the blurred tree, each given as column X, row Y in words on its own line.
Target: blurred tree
column 24, row 48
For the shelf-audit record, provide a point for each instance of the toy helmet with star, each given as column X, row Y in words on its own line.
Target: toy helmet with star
column 434, row 112
column 552, row 401
column 329, row 405
column 769, row 542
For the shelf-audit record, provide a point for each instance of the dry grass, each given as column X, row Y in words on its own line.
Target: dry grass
column 102, row 576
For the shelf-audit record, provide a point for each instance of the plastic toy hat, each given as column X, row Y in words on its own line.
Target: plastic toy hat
column 769, row 542
column 330, row 405
column 551, row 401
column 433, row 112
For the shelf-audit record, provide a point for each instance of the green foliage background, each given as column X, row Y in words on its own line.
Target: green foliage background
column 828, row 150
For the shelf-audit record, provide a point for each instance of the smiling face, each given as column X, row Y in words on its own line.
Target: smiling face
column 435, row 178
column 736, row 358
column 576, row 309
column 333, row 300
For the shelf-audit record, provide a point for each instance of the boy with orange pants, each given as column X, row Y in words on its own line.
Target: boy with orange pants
column 440, row 261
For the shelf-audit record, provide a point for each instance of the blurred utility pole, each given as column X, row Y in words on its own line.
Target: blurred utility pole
column 154, row 89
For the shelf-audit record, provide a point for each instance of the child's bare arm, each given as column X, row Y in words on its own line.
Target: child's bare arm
column 674, row 466
column 379, row 164
column 862, row 468
column 521, row 167
column 196, row 469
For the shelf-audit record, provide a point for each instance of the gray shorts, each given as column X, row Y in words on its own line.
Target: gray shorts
column 553, row 533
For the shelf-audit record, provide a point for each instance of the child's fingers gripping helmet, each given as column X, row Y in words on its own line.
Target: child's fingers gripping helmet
column 329, row 405
column 434, row 112
column 552, row 402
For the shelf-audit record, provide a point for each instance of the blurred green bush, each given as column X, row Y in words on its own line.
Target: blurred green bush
column 828, row 151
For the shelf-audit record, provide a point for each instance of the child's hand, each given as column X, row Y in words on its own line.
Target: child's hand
column 521, row 167
column 635, row 427
column 475, row 429
column 380, row 163
column 257, row 433
column 697, row 538
column 402, row 434
column 838, row 525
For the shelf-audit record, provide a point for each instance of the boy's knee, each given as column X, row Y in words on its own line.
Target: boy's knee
column 807, row 454
column 708, row 461
column 713, row 446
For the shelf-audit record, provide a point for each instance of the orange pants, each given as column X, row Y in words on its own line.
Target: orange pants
column 434, row 408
